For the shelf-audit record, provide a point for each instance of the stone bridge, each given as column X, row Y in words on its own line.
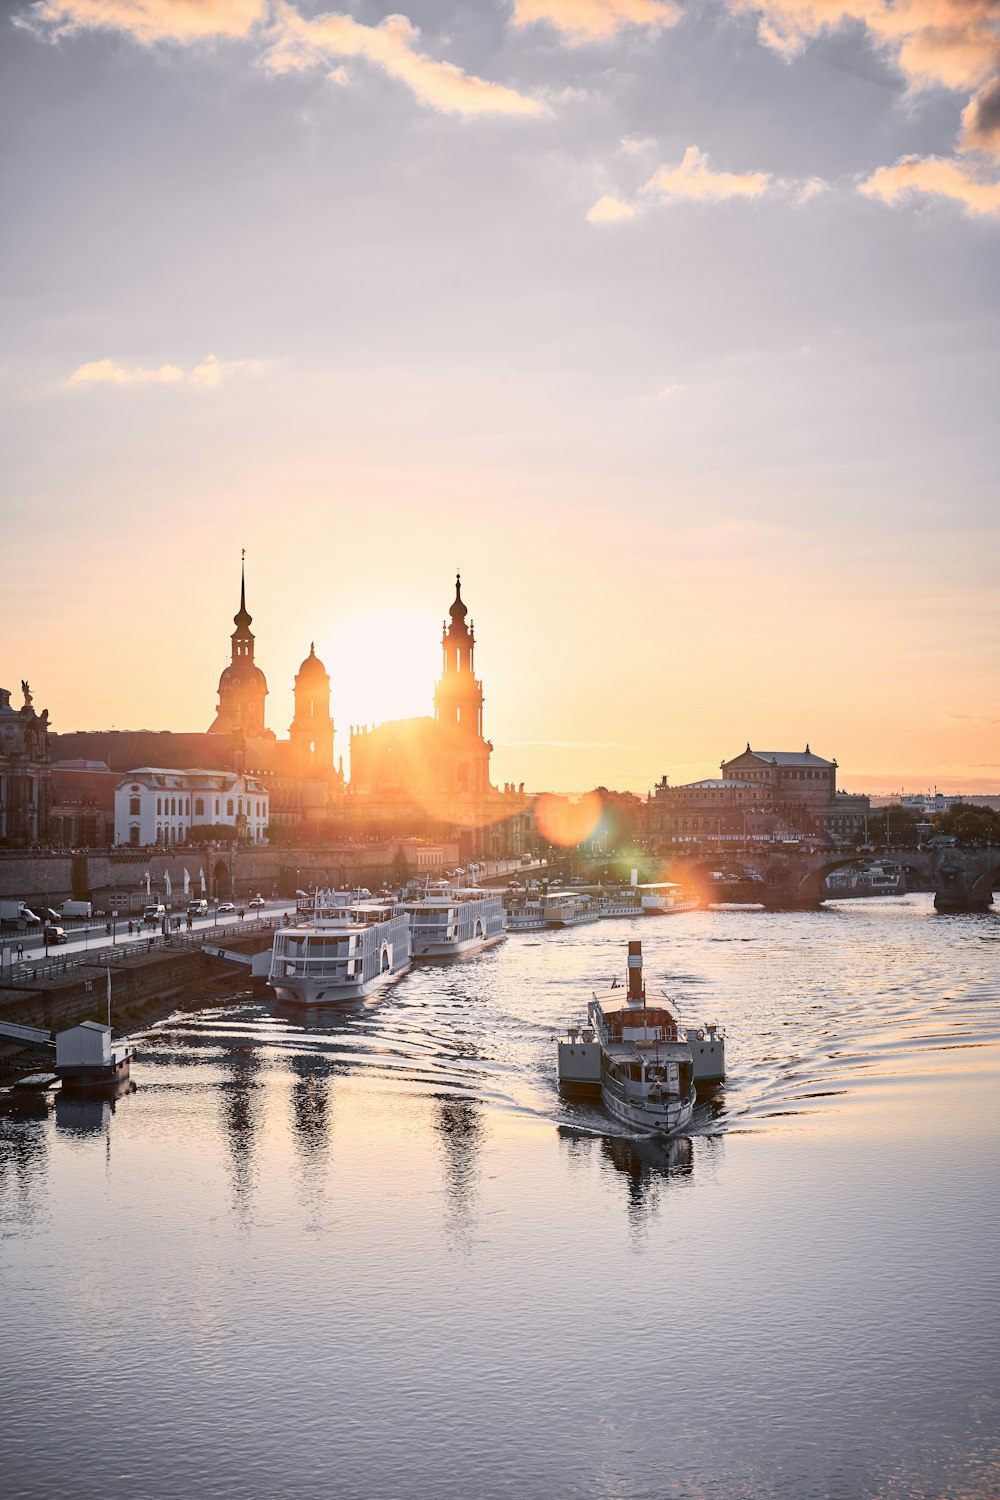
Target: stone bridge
column 963, row 879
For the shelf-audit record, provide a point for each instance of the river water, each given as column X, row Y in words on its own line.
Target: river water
column 380, row 1256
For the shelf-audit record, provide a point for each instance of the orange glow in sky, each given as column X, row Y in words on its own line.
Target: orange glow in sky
column 695, row 383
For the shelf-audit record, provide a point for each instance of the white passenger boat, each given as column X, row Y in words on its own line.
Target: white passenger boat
column 342, row 950
column 626, row 902
column 453, row 923
column 568, row 908
column 665, row 898
column 635, row 1048
column 524, row 912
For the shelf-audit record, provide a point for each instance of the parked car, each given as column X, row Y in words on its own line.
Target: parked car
column 224, row 907
column 54, row 934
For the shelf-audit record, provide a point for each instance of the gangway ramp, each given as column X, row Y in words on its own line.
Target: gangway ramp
column 257, row 963
column 30, row 1036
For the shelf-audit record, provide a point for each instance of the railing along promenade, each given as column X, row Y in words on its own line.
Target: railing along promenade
column 32, row 971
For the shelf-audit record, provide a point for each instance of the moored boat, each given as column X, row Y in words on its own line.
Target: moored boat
column 341, row 952
column 568, row 908
column 665, row 898
column 524, row 912
column 625, row 902
column 447, row 922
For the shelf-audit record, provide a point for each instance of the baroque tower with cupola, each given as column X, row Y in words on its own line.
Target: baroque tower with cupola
column 311, row 730
column 458, row 697
column 242, row 686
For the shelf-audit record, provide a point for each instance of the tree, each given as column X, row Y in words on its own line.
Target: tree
column 894, row 825
column 212, row 833
column 969, row 824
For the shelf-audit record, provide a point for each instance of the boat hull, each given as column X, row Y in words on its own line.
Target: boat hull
column 444, row 950
column 321, row 992
column 650, row 1119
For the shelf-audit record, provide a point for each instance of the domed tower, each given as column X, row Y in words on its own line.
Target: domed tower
column 242, row 686
column 458, row 697
column 311, row 731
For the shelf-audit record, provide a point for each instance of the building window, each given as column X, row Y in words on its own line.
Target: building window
column 133, row 807
column 159, row 807
column 229, row 808
column 199, row 807
column 133, row 835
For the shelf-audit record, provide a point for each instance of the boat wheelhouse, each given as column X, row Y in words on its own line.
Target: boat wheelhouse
column 342, row 952
column 645, row 1061
column 452, row 923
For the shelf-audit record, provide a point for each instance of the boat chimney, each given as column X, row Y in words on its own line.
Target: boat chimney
column 635, row 970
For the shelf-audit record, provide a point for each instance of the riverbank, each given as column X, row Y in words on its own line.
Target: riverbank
column 148, row 986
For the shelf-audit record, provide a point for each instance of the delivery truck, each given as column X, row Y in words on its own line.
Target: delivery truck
column 76, row 909
column 16, row 911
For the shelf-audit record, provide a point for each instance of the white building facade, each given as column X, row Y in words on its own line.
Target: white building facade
column 158, row 806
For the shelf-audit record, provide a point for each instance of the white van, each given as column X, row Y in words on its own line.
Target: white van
column 197, row 909
column 154, row 913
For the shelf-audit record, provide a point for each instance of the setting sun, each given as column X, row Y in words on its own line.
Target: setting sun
column 382, row 665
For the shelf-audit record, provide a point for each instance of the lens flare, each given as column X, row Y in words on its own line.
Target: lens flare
column 567, row 821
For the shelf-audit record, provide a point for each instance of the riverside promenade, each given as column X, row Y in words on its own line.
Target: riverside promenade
column 64, row 988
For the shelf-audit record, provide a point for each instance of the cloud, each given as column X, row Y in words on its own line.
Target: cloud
column 208, row 374
column 106, row 372
column 609, row 210
column 635, row 145
column 669, row 391
column 938, row 176
column 595, row 20
column 298, row 43
column 981, row 121
column 695, row 180
column 950, row 43
column 294, row 43
column 813, row 187
column 147, row 20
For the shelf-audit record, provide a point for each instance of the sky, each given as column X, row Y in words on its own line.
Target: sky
column 674, row 326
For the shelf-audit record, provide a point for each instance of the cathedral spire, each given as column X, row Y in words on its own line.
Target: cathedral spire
column 242, row 619
column 458, row 698
column 458, row 610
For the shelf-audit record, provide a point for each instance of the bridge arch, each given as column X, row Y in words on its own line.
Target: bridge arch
column 988, row 882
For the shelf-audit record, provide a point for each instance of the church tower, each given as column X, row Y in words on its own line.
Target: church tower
column 311, row 731
column 242, row 686
column 458, row 697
